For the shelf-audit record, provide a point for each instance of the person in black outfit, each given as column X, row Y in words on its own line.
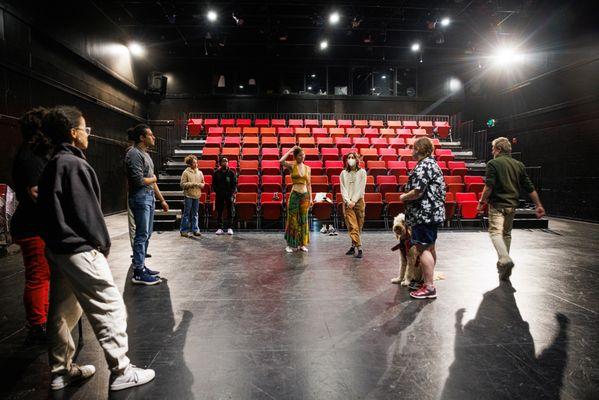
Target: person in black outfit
column 224, row 183
column 25, row 230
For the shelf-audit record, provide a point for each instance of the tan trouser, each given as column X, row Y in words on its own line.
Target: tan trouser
column 354, row 220
column 501, row 221
column 83, row 282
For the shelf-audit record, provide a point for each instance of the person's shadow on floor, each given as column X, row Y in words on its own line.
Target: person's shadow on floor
column 495, row 354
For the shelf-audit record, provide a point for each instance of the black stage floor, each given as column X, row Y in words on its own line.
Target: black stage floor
column 238, row 318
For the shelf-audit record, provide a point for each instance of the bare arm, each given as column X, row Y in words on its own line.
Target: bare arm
column 32, row 192
column 163, row 203
column 283, row 159
column 540, row 211
column 309, row 183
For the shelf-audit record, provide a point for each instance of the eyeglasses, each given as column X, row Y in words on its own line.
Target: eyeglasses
column 87, row 129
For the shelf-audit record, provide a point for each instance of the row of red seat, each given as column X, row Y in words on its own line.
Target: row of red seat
column 271, row 206
column 323, row 183
column 318, row 132
column 308, row 141
column 332, row 167
column 314, row 154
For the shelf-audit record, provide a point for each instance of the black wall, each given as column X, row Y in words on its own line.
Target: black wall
column 39, row 68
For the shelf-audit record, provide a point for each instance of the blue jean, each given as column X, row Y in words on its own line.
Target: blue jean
column 142, row 203
column 190, row 215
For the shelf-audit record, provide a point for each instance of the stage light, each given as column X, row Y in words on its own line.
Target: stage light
column 491, row 122
column 313, row 76
column 334, row 18
column 505, row 56
column 136, row 49
column 309, row 87
column 454, row 84
column 384, row 77
column 212, row 16
column 240, row 86
column 324, row 44
column 415, row 47
column 445, row 21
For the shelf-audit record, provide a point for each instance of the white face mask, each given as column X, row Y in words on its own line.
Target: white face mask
column 351, row 162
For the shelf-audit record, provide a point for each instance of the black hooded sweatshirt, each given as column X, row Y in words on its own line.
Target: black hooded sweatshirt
column 69, row 204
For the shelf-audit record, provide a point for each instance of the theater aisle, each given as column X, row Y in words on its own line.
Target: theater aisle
column 238, row 318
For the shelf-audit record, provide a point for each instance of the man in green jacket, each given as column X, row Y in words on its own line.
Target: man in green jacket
column 504, row 177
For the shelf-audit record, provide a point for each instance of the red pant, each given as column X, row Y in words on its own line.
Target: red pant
column 37, row 279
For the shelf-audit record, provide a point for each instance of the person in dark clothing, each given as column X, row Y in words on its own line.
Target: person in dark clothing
column 224, row 184
column 77, row 244
column 27, row 169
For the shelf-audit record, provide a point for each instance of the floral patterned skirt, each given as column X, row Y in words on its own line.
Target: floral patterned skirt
column 297, row 232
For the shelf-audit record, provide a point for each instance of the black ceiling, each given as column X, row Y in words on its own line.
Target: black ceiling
column 368, row 30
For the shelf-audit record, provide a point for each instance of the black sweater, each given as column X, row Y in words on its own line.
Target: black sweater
column 69, row 204
column 224, row 182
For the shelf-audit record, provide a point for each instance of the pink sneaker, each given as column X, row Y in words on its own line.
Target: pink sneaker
column 425, row 292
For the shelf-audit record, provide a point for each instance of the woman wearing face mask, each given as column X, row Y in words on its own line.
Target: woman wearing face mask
column 297, row 232
column 353, row 186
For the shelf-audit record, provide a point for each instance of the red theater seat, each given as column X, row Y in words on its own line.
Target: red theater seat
column 387, row 154
column 315, row 167
column 454, row 187
column 247, row 183
column 232, row 131
column 344, row 123
column 452, row 179
column 269, row 141
column 444, row 155
column 393, row 124
column 394, row 204
column 271, row 206
column 232, row 153
column 311, row 153
column 333, row 167
column 270, row 167
column 457, row 167
column 270, row 153
column 442, row 128
column 402, row 181
column 386, row 183
column 296, row 123
column 410, row 124
column 443, row 166
column 370, row 187
column 397, row 143
column 376, row 123
column 320, row 133
column 227, row 122
column 337, row 132
column 370, row 132
column 322, row 210
column 302, row 132
column 329, row 123
column 207, row 166
column 450, row 206
column 388, row 133
column 379, row 143
column 207, row 185
column 261, row 122
column 286, row 141
column 242, row 122
column 194, row 126
column 246, row 206
column 285, row 131
column 213, row 141
column 277, row 123
column 470, row 179
column 272, row 183
column 427, row 126
column 467, row 204
column 250, row 141
column 268, row 131
column 405, row 154
column 361, row 123
column 320, row 183
column 232, row 141
column 210, row 122
column 323, row 142
column 412, row 165
column 248, row 167
column 210, row 154
column 419, row 132
column 216, row 131
column 360, row 142
column 369, row 154
column 374, row 206
column 306, row 142
column 404, row 133
column 311, row 123
column 354, row 132
column 376, row 168
column 343, row 142
column 330, row 154
column 397, row 168
column 335, row 184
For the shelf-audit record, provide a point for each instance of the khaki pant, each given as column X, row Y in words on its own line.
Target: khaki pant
column 83, row 282
column 354, row 220
column 501, row 221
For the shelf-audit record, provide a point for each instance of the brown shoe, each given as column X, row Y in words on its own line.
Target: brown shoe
column 197, row 234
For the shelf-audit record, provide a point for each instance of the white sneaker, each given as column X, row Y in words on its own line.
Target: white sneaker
column 76, row 374
column 229, row 231
column 304, row 249
column 132, row 376
column 289, row 249
column 332, row 231
column 324, row 229
column 220, row 232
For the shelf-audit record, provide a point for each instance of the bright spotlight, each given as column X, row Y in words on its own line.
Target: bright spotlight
column 324, row 44
column 445, row 21
column 313, row 76
column 505, row 56
column 454, row 85
column 309, row 87
column 384, row 77
column 415, row 46
column 212, row 15
column 334, row 18
column 240, row 86
column 136, row 49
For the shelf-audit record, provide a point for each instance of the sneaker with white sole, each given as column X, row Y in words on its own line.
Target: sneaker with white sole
column 333, row 231
column 324, row 229
column 229, row 231
column 289, row 249
column 220, row 232
column 76, row 374
column 142, row 277
column 132, row 376
column 304, row 249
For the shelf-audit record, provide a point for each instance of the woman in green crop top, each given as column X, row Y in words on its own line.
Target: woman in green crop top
column 297, row 232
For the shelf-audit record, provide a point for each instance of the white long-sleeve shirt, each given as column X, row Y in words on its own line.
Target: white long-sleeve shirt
column 353, row 185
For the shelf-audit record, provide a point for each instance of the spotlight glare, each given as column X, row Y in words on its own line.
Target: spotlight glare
column 384, row 77
column 324, row 44
column 415, row 46
column 505, row 56
column 454, row 85
column 313, row 76
column 136, row 49
column 212, row 15
column 445, row 21
column 240, row 86
column 309, row 87
column 334, row 18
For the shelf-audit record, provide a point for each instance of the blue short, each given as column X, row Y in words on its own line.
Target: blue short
column 424, row 234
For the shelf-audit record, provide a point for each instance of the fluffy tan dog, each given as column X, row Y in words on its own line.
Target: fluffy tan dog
column 409, row 268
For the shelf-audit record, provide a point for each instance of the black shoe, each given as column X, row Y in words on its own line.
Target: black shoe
column 351, row 251
column 359, row 255
column 151, row 272
column 36, row 335
column 147, row 256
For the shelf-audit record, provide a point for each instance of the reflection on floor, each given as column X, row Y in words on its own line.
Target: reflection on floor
column 238, row 318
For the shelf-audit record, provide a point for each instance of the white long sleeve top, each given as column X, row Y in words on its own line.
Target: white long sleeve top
column 353, row 185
